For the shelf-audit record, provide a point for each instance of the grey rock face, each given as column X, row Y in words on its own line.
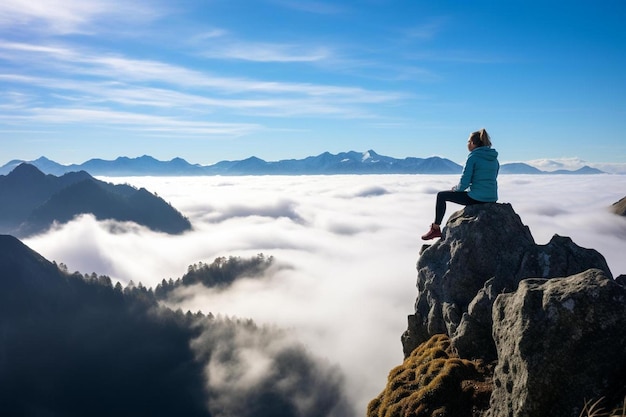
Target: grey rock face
column 549, row 317
column 485, row 250
column 559, row 341
column 619, row 207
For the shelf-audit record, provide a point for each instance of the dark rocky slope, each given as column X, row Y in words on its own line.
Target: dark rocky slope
column 542, row 322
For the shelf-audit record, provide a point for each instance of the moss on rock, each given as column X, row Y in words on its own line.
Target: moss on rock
column 434, row 382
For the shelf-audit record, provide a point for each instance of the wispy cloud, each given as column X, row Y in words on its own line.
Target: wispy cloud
column 266, row 52
column 79, row 85
column 119, row 68
column 315, row 7
column 427, row 30
column 85, row 83
column 128, row 120
column 69, row 16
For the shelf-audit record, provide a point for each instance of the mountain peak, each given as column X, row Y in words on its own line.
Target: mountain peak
column 368, row 155
column 26, row 170
column 146, row 158
column 34, row 201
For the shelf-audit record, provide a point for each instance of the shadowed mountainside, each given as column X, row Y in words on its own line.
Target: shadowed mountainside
column 73, row 346
column 33, row 201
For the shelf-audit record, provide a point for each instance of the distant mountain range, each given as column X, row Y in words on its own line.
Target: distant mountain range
column 32, row 201
column 324, row 164
column 522, row 168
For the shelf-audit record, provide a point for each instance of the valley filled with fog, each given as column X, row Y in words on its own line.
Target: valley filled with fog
column 345, row 250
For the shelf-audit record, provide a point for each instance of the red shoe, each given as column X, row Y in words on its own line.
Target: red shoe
column 435, row 231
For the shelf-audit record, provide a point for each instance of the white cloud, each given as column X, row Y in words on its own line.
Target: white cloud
column 351, row 244
column 574, row 163
column 137, row 121
column 610, row 167
column 118, row 68
column 61, row 17
column 559, row 163
column 80, row 84
column 266, row 52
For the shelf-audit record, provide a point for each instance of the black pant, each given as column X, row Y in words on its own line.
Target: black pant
column 458, row 197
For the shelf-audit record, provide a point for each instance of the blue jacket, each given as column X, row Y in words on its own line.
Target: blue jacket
column 479, row 175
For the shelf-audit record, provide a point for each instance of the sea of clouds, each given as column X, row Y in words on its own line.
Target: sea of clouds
column 346, row 247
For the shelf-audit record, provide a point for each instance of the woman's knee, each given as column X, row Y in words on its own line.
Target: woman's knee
column 444, row 195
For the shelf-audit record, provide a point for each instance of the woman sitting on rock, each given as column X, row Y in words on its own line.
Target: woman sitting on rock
column 479, row 175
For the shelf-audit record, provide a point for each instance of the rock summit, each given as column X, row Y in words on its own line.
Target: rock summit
column 543, row 322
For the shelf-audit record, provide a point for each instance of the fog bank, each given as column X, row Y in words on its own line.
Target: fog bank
column 350, row 244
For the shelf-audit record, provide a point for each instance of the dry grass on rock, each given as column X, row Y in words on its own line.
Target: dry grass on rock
column 595, row 409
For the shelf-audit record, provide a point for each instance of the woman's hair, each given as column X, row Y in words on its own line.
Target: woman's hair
column 480, row 138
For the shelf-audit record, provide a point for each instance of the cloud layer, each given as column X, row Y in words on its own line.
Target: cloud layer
column 349, row 244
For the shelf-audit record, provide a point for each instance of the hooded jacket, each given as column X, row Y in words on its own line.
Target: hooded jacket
column 479, row 175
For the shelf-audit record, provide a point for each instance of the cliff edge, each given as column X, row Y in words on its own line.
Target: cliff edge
column 542, row 324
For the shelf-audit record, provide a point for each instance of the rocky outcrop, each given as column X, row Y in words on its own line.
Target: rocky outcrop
column 545, row 317
column 559, row 341
column 619, row 207
column 485, row 250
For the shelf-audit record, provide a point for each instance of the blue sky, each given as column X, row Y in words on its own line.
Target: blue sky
column 226, row 79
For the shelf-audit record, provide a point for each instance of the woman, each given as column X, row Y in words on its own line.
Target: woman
column 479, row 175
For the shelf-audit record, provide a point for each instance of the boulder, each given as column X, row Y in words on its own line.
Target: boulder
column 559, row 342
column 484, row 250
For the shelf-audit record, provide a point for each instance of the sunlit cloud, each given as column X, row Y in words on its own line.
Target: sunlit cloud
column 282, row 208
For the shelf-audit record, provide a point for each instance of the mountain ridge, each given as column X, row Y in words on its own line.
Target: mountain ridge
column 33, row 201
column 326, row 163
